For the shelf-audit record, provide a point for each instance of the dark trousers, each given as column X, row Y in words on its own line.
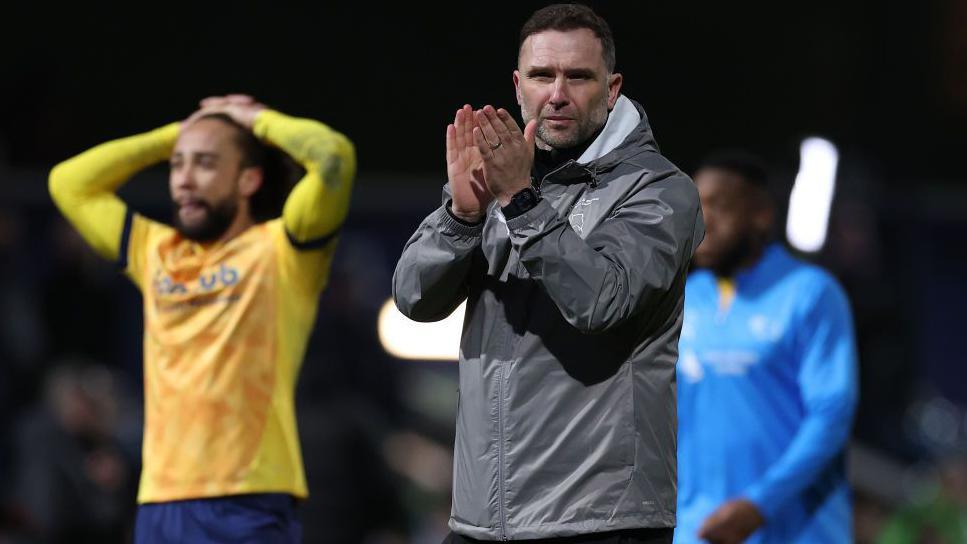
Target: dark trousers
column 263, row 518
column 628, row 536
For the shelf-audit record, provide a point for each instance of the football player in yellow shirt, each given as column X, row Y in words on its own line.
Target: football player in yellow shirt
column 229, row 303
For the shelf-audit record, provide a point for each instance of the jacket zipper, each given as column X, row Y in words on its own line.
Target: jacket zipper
column 501, row 488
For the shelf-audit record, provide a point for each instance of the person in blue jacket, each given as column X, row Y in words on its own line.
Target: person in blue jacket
column 767, row 378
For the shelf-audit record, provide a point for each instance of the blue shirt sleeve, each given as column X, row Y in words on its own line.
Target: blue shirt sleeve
column 826, row 351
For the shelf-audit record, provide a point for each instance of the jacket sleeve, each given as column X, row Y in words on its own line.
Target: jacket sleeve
column 430, row 280
column 828, row 387
column 625, row 264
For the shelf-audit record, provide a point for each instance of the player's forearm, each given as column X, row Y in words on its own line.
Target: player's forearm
column 318, row 204
column 829, row 391
column 83, row 186
column 106, row 167
column 820, row 440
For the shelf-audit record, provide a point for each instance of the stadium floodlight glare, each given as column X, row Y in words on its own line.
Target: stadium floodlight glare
column 812, row 195
column 407, row 339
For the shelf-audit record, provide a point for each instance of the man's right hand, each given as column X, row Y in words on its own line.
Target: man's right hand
column 465, row 169
column 240, row 107
column 732, row 523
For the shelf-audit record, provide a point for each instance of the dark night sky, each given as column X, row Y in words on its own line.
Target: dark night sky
column 879, row 78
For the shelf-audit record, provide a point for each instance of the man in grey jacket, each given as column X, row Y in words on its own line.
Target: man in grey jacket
column 570, row 242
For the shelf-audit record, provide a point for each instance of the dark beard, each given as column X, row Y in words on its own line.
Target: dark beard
column 731, row 260
column 217, row 220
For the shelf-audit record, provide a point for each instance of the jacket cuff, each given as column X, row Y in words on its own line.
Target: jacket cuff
column 532, row 221
column 451, row 225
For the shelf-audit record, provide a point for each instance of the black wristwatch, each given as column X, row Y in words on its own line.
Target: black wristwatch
column 523, row 201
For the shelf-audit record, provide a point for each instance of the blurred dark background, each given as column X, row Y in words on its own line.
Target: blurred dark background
column 886, row 81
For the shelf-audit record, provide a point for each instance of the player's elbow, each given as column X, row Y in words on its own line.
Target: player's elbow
column 416, row 309
column 58, row 185
column 837, row 413
column 346, row 147
column 336, row 162
column 347, row 154
column 332, row 145
column 841, row 400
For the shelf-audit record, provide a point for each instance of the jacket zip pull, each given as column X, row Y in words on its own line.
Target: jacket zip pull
column 593, row 172
column 569, row 162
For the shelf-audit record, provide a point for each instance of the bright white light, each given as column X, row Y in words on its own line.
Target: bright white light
column 812, row 195
column 407, row 339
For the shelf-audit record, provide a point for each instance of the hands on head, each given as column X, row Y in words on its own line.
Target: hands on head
column 240, row 107
column 488, row 157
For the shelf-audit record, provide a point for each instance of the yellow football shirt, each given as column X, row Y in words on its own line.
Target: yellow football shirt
column 226, row 325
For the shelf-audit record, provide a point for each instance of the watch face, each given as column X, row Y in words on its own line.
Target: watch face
column 521, row 202
column 526, row 197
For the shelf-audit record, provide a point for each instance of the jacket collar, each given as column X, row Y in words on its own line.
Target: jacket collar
column 622, row 121
column 626, row 134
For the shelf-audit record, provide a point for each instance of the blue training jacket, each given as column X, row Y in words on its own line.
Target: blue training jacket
column 766, row 394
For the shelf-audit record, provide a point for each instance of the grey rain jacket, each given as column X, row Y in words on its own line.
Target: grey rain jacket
column 566, row 417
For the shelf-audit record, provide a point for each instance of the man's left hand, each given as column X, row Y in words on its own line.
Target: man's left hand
column 508, row 153
column 732, row 523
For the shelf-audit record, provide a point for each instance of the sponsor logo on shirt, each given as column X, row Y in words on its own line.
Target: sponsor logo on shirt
column 721, row 362
column 224, row 276
column 730, row 362
column 688, row 326
column 763, row 329
column 690, row 367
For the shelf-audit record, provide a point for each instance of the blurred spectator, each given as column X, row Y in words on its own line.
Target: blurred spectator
column 72, row 481
column 347, row 405
column 21, row 327
column 870, row 515
column 21, row 341
column 21, row 335
column 354, row 496
column 79, row 299
column 854, row 253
